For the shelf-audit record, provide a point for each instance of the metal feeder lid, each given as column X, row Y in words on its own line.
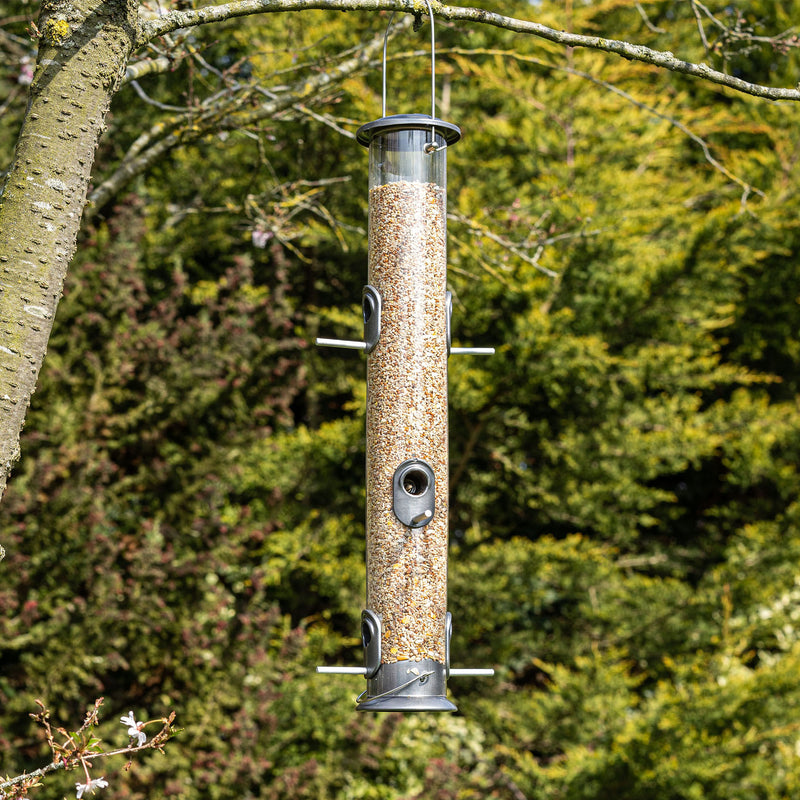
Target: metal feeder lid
column 413, row 122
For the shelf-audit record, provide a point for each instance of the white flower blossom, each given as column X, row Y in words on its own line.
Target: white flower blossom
column 260, row 238
column 97, row 783
column 134, row 728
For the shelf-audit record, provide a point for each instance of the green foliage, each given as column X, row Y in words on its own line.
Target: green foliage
column 17, row 60
column 185, row 529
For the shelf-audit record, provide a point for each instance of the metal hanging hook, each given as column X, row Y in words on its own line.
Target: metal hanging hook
column 430, row 147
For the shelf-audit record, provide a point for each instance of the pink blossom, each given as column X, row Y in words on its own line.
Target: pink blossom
column 260, row 238
column 25, row 77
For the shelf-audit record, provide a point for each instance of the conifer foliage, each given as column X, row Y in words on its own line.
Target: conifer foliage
column 184, row 531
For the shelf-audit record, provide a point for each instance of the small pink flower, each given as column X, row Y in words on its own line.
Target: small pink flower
column 25, row 77
column 260, row 238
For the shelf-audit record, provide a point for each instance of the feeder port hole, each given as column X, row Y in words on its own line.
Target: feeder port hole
column 415, row 482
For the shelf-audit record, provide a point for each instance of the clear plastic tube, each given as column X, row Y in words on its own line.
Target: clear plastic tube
column 407, row 391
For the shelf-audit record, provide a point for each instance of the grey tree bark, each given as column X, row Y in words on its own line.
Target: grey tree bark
column 84, row 46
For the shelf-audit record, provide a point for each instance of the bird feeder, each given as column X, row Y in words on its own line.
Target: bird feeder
column 406, row 309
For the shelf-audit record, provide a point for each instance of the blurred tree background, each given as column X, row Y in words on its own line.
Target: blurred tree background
column 185, row 528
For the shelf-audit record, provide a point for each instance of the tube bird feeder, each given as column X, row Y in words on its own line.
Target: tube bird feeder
column 406, row 309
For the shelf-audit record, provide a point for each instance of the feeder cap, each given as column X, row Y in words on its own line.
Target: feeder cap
column 407, row 122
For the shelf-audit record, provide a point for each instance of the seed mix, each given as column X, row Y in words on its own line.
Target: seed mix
column 407, row 416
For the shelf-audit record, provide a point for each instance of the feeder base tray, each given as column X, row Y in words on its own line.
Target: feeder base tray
column 407, row 686
column 407, row 704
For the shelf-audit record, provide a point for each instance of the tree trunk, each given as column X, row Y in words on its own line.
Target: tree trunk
column 83, row 50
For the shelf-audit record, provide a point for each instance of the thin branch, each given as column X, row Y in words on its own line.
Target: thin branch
column 12, row 95
column 325, row 119
column 738, row 38
column 143, row 154
column 700, row 29
column 147, row 66
column 149, row 100
column 481, row 230
column 646, row 19
column 469, row 448
column 746, row 187
column 482, row 262
column 633, row 52
column 35, row 775
column 155, row 743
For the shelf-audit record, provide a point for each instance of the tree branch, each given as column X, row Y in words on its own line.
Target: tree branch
column 227, row 117
column 147, row 66
column 633, row 52
column 747, row 188
column 481, row 230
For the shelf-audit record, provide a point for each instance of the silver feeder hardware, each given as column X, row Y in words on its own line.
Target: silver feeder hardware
column 406, row 628
column 414, row 493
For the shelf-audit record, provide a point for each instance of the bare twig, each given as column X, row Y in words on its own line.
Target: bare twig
column 700, row 29
column 154, row 144
column 151, row 102
column 646, row 19
column 747, row 188
column 633, row 52
column 481, row 230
